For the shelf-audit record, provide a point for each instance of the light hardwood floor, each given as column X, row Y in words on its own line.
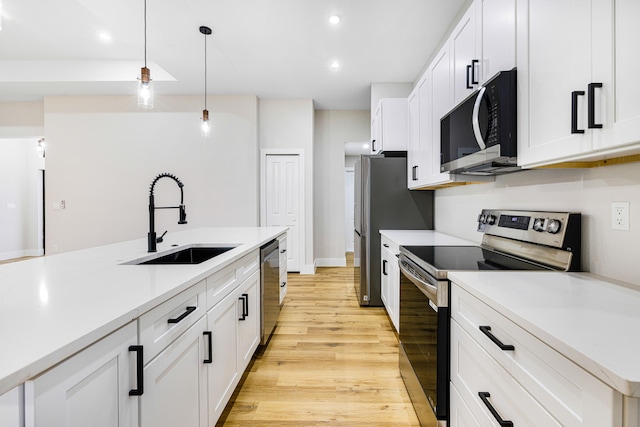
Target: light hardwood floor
column 329, row 362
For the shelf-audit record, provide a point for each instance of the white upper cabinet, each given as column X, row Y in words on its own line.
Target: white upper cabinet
column 625, row 114
column 389, row 126
column 497, row 27
column 577, row 79
column 465, row 56
column 554, row 70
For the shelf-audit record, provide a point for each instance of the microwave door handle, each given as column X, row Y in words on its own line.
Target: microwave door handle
column 476, row 119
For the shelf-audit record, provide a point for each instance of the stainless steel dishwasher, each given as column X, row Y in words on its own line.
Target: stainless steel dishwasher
column 269, row 288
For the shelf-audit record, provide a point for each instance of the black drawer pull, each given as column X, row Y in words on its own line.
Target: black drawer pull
column 283, row 251
column 189, row 310
column 385, row 245
column 139, row 371
column 574, row 111
column 592, row 106
column 245, row 306
column 283, row 284
column 209, row 347
column 505, row 347
column 484, row 396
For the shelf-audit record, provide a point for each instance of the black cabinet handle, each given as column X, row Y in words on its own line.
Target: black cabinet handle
column 189, row 310
column 574, row 111
column 468, row 80
column 473, row 71
column 373, row 145
column 414, row 173
column 592, row 106
column 209, row 347
column 283, row 251
column 283, row 284
column 385, row 245
column 504, row 347
column 384, row 267
column 139, row 371
column 484, row 396
column 245, row 306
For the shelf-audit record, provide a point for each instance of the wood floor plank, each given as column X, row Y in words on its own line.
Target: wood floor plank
column 329, row 362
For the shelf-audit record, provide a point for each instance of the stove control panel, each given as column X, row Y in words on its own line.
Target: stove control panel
column 557, row 229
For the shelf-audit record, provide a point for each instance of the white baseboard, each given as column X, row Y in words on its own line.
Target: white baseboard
column 309, row 269
column 21, row 253
column 331, row 262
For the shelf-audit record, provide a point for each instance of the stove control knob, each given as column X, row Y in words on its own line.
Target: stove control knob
column 482, row 219
column 491, row 219
column 538, row 224
column 554, row 226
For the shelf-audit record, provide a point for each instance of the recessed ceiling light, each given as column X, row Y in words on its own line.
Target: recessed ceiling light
column 105, row 37
column 334, row 19
column 335, row 65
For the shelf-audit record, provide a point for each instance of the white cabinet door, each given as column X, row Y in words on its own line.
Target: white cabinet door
column 390, row 126
column 413, row 146
column 556, row 41
column 626, row 111
column 376, row 131
column 222, row 373
column 249, row 320
column 441, row 102
column 90, row 388
column 497, row 19
column 465, row 60
column 176, row 384
column 12, row 408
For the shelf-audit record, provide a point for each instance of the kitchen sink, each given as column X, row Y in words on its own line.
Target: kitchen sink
column 190, row 255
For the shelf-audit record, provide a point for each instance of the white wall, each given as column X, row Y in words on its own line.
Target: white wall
column 21, row 120
column 606, row 252
column 333, row 129
column 20, row 167
column 289, row 124
column 103, row 153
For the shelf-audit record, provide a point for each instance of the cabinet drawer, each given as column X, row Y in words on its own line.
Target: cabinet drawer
column 224, row 281
column 571, row 394
column 390, row 245
column 474, row 371
column 166, row 322
column 283, row 284
column 282, row 247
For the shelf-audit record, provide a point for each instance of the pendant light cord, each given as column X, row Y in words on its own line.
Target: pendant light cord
column 205, row 71
column 145, row 33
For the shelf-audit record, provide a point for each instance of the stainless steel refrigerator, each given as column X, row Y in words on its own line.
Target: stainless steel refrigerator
column 383, row 202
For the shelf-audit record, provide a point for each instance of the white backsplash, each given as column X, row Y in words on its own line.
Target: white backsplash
column 607, row 252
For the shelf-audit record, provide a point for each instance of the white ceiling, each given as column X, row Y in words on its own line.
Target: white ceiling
column 271, row 48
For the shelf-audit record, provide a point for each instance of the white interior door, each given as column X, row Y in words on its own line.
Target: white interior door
column 283, row 201
column 349, row 208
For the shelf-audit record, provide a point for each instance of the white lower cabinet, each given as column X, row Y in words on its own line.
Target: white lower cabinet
column 390, row 280
column 90, row 388
column 499, row 370
column 175, row 392
column 459, row 413
column 234, row 324
column 282, row 247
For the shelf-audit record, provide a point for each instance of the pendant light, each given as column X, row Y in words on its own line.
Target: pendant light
column 145, row 89
column 205, row 126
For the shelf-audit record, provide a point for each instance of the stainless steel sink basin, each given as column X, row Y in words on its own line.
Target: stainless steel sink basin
column 190, row 255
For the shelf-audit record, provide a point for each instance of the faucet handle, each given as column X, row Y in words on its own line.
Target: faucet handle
column 160, row 239
column 183, row 215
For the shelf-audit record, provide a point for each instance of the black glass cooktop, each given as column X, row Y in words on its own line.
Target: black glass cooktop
column 437, row 260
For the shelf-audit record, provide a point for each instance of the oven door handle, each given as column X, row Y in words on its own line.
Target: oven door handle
column 428, row 289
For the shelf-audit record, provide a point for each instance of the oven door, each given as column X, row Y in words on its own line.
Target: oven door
column 424, row 343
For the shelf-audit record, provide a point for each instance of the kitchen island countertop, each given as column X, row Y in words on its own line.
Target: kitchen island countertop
column 54, row 306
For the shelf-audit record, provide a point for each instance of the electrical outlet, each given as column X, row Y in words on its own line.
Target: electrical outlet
column 620, row 216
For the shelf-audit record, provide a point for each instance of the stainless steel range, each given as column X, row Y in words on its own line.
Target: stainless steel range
column 512, row 240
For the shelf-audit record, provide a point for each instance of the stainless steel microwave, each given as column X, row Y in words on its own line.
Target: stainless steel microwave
column 479, row 135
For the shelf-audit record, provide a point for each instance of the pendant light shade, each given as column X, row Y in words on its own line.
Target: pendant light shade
column 145, row 89
column 205, row 126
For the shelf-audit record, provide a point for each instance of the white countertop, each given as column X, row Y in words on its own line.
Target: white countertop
column 424, row 238
column 53, row 306
column 591, row 320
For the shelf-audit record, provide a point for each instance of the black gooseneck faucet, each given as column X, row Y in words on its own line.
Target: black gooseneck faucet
column 151, row 236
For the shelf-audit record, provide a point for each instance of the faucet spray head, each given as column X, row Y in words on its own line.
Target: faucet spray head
column 183, row 215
